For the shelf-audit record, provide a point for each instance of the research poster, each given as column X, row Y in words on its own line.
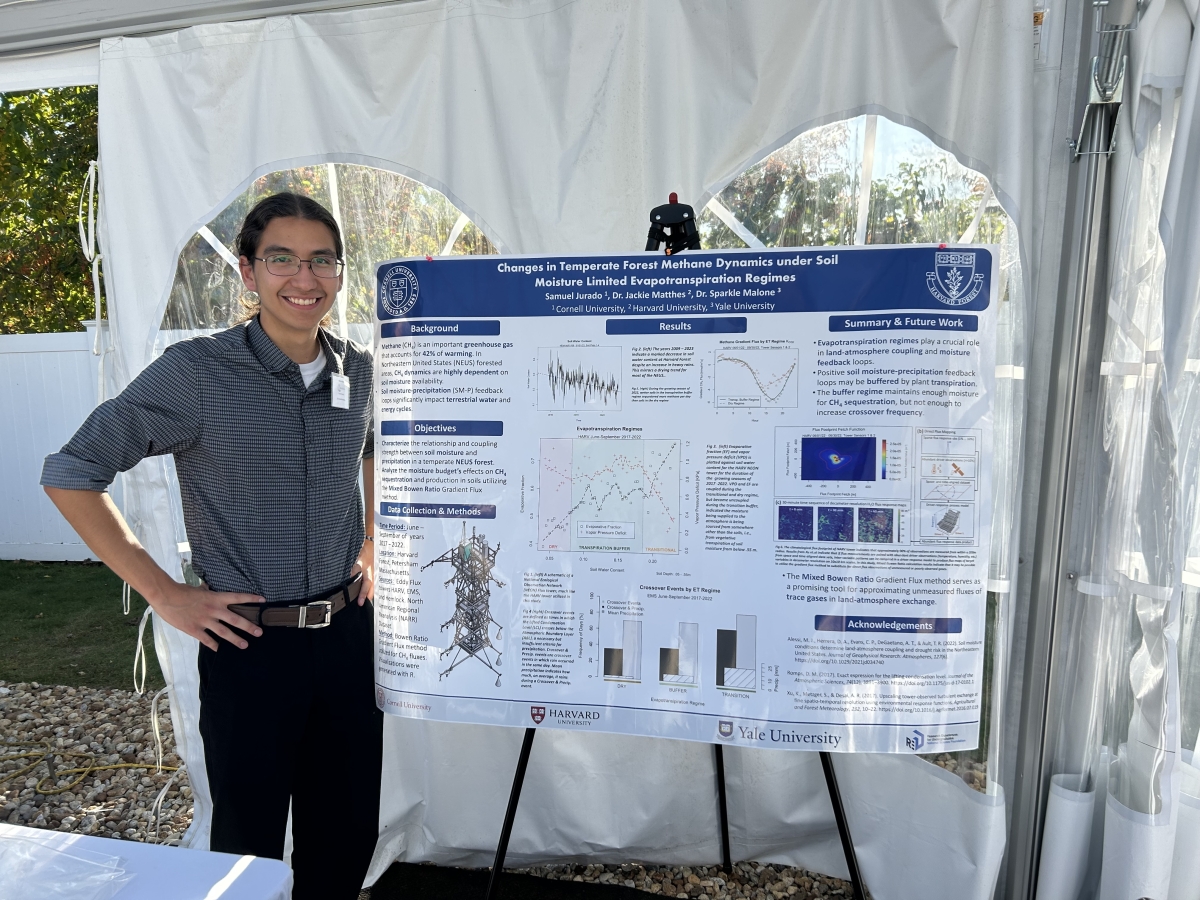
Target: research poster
column 724, row 496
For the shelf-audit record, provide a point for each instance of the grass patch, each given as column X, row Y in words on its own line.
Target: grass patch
column 61, row 623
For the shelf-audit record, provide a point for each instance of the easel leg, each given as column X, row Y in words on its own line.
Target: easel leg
column 510, row 814
column 839, row 814
column 725, row 857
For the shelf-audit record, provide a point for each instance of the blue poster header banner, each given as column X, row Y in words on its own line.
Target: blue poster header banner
column 439, row 428
column 911, row 322
column 438, row 510
column 440, row 329
column 709, row 282
column 710, row 325
column 886, row 624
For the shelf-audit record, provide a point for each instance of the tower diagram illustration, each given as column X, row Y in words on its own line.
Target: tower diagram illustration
column 472, row 560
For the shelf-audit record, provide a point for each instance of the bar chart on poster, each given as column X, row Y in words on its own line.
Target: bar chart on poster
column 741, row 496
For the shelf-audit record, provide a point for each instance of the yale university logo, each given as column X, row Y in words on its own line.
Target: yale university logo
column 537, row 713
column 399, row 290
column 724, row 729
column 953, row 280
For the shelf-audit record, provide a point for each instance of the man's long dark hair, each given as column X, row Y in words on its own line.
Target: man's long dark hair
column 281, row 206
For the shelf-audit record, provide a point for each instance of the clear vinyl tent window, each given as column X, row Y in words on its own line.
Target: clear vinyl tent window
column 871, row 181
column 382, row 215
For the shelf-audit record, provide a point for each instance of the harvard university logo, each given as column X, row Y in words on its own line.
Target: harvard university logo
column 953, row 280
column 537, row 713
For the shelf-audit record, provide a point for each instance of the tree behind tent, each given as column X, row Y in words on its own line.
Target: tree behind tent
column 47, row 139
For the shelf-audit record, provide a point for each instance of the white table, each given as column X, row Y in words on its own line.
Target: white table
column 159, row 873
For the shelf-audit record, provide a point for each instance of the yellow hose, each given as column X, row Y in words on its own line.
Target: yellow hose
column 45, row 754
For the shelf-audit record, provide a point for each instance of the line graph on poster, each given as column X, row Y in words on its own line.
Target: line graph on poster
column 618, row 496
column 579, row 378
column 755, row 377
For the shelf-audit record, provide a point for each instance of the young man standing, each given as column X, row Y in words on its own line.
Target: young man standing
column 270, row 426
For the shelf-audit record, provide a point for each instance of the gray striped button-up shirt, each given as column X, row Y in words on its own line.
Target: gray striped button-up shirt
column 268, row 470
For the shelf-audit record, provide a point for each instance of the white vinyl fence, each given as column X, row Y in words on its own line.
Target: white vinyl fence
column 47, row 389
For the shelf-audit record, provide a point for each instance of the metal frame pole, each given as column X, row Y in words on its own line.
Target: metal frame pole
column 839, row 816
column 1078, row 338
column 726, row 859
column 514, row 797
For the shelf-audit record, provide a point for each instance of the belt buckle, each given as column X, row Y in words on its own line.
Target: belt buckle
column 303, row 621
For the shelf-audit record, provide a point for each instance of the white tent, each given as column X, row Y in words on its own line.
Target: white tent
column 555, row 125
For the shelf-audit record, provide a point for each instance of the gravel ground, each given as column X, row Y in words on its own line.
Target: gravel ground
column 98, row 727
column 750, row 880
column 972, row 771
column 83, row 727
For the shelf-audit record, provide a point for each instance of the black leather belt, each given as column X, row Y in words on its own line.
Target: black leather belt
column 316, row 612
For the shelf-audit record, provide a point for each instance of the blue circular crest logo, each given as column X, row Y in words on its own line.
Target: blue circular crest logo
column 398, row 290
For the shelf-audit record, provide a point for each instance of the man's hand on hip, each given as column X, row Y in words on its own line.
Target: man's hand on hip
column 199, row 611
column 195, row 611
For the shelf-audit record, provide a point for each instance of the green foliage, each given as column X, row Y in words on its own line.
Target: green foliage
column 931, row 200
column 802, row 195
column 805, row 194
column 47, row 139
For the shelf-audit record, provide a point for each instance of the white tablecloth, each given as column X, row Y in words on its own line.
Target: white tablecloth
column 40, row 860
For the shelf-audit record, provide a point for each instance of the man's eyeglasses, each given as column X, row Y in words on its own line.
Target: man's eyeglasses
column 285, row 264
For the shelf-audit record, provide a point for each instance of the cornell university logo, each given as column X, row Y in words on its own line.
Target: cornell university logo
column 537, row 713
column 398, row 290
column 953, row 280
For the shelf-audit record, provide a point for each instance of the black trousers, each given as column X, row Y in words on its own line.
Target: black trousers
column 293, row 718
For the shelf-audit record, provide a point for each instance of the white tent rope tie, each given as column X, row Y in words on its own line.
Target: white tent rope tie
column 87, row 242
column 139, row 656
column 158, row 744
column 156, row 808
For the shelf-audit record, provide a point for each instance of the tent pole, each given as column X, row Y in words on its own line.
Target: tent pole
column 1077, row 348
column 510, row 814
column 839, row 815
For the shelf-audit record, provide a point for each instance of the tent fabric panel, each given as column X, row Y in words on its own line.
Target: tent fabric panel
column 58, row 23
column 471, row 98
column 59, row 68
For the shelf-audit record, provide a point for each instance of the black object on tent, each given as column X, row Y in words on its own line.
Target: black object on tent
column 673, row 224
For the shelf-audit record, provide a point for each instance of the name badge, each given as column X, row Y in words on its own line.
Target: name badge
column 340, row 385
